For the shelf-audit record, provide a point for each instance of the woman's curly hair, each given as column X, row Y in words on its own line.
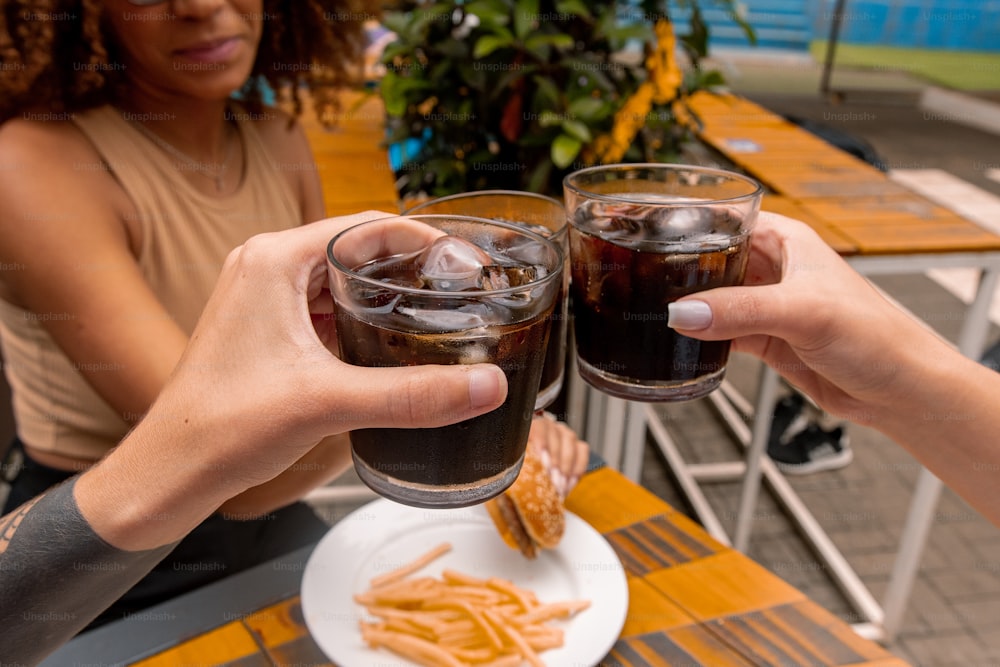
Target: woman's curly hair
column 56, row 55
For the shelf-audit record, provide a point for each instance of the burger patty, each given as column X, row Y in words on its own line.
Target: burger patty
column 513, row 521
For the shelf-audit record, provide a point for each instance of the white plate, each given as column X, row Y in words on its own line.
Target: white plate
column 383, row 535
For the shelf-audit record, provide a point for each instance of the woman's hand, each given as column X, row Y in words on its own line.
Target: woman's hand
column 816, row 321
column 562, row 452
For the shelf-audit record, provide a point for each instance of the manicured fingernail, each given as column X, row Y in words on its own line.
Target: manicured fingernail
column 559, row 480
column 689, row 314
column 546, row 459
column 484, row 386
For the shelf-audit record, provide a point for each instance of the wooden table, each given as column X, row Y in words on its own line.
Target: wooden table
column 692, row 601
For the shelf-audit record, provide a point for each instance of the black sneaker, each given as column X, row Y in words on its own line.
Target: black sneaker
column 789, row 418
column 991, row 357
column 812, row 450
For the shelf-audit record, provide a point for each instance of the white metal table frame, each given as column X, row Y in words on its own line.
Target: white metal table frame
column 619, row 428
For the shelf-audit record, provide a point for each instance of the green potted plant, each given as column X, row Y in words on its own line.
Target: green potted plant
column 516, row 93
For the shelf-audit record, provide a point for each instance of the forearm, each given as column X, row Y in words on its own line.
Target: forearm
column 57, row 574
column 327, row 461
column 950, row 421
column 73, row 551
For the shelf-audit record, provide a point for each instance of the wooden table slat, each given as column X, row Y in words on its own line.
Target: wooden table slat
column 225, row 644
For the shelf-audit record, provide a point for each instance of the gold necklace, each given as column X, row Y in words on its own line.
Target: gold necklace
column 216, row 172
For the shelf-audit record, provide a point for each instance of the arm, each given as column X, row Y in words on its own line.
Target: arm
column 287, row 141
column 826, row 329
column 75, row 259
column 111, row 324
column 68, row 554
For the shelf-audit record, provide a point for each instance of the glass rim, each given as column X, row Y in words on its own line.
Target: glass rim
column 475, row 193
column 479, row 293
column 758, row 187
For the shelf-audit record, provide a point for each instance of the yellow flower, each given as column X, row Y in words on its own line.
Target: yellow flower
column 664, row 71
column 661, row 86
column 682, row 114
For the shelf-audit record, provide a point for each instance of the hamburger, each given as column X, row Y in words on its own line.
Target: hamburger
column 530, row 515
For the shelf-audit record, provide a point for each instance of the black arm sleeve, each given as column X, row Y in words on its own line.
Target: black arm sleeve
column 57, row 574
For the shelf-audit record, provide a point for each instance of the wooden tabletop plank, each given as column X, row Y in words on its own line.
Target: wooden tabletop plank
column 223, row 645
column 792, row 167
column 651, row 611
column 907, row 238
column 787, row 635
column 717, row 586
column 793, row 209
column 278, row 624
column 732, row 110
column 812, row 185
column 735, row 141
column 607, row 506
column 865, row 209
column 351, row 157
column 690, row 645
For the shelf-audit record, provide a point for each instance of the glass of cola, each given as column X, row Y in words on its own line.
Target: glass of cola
column 445, row 289
column 642, row 236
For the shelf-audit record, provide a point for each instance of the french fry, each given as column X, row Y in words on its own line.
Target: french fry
column 411, row 567
column 460, row 620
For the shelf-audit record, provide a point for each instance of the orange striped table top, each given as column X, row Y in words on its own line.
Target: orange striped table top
column 692, row 601
column 853, row 205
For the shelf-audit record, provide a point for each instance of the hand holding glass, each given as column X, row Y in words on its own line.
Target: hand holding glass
column 452, row 290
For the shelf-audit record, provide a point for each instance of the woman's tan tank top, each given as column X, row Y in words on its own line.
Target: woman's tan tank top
column 186, row 236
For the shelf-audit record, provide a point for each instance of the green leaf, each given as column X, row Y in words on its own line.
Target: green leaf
column 588, row 109
column 489, row 11
column 525, row 17
column 565, row 149
column 577, row 129
column 711, row 78
column 539, row 178
column 392, row 50
column 547, row 96
column 501, row 87
column 395, row 91
column 487, row 44
column 549, row 118
column 396, row 22
column 697, row 38
column 560, row 41
column 393, row 94
column 642, row 32
column 575, row 7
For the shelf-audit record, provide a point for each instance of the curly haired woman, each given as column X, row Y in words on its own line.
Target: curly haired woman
column 135, row 153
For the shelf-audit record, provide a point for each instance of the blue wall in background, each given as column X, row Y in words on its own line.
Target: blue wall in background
column 967, row 25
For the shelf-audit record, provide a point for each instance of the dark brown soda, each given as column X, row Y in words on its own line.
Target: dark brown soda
column 623, row 292
column 453, row 455
column 555, row 351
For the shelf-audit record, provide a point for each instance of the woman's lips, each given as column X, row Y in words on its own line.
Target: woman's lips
column 215, row 51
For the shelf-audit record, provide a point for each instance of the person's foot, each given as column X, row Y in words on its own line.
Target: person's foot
column 789, row 418
column 812, row 450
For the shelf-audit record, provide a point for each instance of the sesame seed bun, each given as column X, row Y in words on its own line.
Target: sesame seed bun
column 530, row 515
